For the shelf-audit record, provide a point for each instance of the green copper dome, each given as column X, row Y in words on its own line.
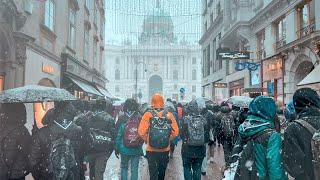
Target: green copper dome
column 157, row 27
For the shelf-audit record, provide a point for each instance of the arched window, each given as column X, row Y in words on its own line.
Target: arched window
column 117, row 74
column 194, row 74
column 175, row 75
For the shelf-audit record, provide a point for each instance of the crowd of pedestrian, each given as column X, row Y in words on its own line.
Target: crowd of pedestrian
column 78, row 138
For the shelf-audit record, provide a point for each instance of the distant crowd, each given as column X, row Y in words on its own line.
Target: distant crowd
column 79, row 137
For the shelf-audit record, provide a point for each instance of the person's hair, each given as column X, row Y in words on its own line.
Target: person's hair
column 130, row 105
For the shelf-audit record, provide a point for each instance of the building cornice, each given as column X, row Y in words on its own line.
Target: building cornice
column 315, row 36
column 273, row 11
column 34, row 46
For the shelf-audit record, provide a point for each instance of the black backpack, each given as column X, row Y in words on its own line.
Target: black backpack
column 62, row 161
column 159, row 130
column 4, row 173
column 228, row 125
column 195, row 130
column 100, row 133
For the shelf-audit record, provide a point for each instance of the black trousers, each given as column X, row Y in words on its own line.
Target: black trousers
column 157, row 162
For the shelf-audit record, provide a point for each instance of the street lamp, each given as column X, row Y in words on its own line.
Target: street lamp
column 136, row 88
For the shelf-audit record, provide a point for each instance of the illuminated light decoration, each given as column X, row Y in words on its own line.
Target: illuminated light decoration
column 47, row 69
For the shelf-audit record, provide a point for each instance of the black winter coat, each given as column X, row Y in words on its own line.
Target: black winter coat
column 297, row 154
column 194, row 151
column 15, row 148
column 41, row 146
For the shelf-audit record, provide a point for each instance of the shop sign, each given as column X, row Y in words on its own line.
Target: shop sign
column 251, row 66
column 230, row 55
column 47, row 69
column 220, row 85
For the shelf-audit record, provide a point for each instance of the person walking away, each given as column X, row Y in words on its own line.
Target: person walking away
column 169, row 107
column 157, row 128
column 208, row 114
column 15, row 142
column 195, row 135
column 261, row 158
column 128, row 142
column 100, row 133
column 57, row 145
column 227, row 130
column 300, row 159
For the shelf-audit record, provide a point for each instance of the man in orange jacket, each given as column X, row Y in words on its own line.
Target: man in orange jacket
column 158, row 158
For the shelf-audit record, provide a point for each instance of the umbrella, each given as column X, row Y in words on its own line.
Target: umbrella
column 35, row 93
column 240, row 101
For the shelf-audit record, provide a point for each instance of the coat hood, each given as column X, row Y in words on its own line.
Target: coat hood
column 157, row 101
column 305, row 98
column 261, row 116
column 263, row 107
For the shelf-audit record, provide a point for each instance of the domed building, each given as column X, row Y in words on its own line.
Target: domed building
column 157, row 64
column 157, row 28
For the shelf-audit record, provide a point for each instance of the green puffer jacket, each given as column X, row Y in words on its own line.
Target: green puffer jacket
column 120, row 147
column 259, row 129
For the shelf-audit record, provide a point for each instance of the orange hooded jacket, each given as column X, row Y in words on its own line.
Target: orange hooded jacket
column 157, row 102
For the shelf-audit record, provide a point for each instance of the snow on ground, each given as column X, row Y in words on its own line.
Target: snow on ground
column 174, row 170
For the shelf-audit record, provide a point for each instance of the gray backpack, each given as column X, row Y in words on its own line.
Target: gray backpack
column 315, row 146
column 196, row 131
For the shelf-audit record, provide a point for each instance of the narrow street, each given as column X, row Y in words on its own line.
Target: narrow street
column 174, row 170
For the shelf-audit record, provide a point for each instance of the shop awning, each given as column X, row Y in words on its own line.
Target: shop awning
column 105, row 92
column 312, row 78
column 86, row 87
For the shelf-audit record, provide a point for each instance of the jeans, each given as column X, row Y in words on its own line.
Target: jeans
column 192, row 168
column 157, row 162
column 134, row 166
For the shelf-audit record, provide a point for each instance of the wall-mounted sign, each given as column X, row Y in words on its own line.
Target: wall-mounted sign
column 220, row 85
column 251, row 66
column 47, row 69
column 230, row 55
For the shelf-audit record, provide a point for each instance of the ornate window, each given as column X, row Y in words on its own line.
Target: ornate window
column 49, row 14
column 72, row 28
column 194, row 60
column 117, row 61
column 86, row 44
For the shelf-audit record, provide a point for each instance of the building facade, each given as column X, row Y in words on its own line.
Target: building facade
column 155, row 65
column 52, row 43
column 281, row 36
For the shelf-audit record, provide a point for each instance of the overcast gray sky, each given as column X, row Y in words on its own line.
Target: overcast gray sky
column 124, row 18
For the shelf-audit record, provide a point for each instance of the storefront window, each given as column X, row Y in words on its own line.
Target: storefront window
column 1, row 83
column 40, row 109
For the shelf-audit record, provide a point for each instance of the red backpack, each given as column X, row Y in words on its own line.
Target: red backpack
column 131, row 138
